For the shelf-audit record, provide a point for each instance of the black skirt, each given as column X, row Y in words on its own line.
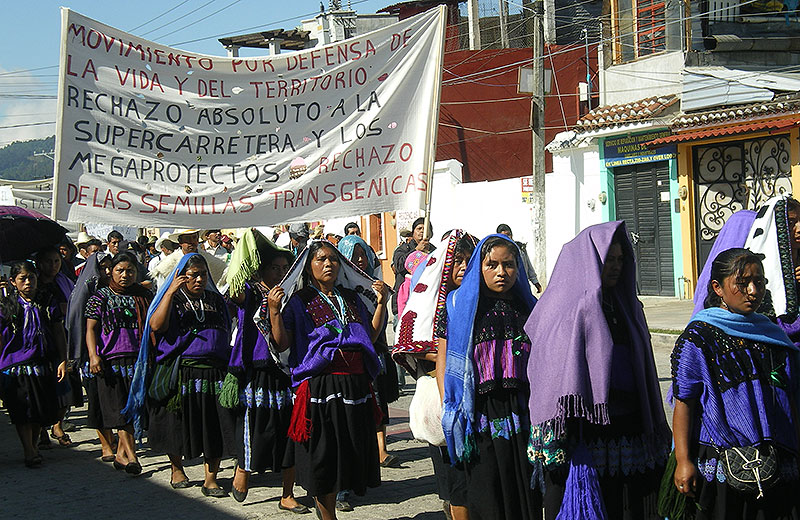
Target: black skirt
column 263, row 420
column 70, row 391
column 719, row 501
column 192, row 422
column 113, row 385
column 387, row 389
column 628, row 493
column 28, row 392
column 499, row 474
column 342, row 452
column 451, row 481
column 94, row 416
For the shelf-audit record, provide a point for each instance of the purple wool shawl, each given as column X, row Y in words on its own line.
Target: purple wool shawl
column 250, row 348
column 569, row 368
column 733, row 234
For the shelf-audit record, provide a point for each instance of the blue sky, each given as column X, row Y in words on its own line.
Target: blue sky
column 29, row 41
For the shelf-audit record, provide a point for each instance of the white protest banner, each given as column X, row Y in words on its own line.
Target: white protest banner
column 153, row 136
column 36, row 195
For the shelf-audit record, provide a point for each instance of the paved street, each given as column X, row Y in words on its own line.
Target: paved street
column 74, row 483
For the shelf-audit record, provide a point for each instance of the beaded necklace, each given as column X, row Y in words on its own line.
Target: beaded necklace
column 201, row 316
column 338, row 312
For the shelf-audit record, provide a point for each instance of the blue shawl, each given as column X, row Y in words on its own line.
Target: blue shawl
column 347, row 244
column 458, row 412
column 753, row 326
column 141, row 374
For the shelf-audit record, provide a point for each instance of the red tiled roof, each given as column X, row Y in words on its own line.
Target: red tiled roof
column 783, row 104
column 635, row 111
column 709, row 133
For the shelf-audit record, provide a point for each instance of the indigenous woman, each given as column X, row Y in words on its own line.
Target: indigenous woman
column 596, row 409
column 422, row 324
column 735, row 385
column 192, row 329
column 55, row 288
column 775, row 233
column 329, row 331
column 484, row 418
column 114, row 323
column 387, row 391
column 32, row 340
column 262, row 391
column 95, row 275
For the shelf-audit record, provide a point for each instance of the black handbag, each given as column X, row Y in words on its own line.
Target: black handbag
column 750, row 469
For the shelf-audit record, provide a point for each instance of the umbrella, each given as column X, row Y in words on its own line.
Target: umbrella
column 24, row 231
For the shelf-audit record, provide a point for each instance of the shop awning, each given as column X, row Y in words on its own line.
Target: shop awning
column 711, row 133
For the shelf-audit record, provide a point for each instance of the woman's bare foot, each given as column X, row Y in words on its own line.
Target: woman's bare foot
column 289, row 502
column 241, row 479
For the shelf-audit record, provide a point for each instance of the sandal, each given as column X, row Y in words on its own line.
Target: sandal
column 391, row 462
column 63, row 440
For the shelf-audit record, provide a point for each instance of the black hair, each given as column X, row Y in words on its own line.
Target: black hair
column 731, row 262
column 465, row 246
column 312, row 252
column 143, row 240
column 46, row 250
column 499, row 242
column 114, row 234
column 124, row 256
column 503, row 228
column 195, row 261
column 9, row 305
column 351, row 225
column 66, row 242
column 417, row 222
column 93, row 242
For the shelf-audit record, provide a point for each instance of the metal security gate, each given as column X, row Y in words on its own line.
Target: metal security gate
column 643, row 202
column 732, row 176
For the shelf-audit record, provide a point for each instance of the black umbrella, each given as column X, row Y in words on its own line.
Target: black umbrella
column 24, row 231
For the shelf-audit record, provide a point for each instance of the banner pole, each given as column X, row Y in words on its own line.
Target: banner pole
column 430, row 160
column 62, row 80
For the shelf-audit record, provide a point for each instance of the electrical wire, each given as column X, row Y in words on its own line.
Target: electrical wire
column 200, row 20
column 153, row 19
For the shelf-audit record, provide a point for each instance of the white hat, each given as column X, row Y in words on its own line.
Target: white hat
column 178, row 232
column 164, row 237
column 83, row 237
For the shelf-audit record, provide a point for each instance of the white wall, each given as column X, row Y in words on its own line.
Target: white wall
column 657, row 75
column 479, row 207
column 571, row 197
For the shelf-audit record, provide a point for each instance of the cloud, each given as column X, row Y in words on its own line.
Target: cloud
column 20, row 113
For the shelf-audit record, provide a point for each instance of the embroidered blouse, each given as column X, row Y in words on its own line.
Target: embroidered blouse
column 500, row 345
column 744, row 387
column 119, row 324
column 319, row 334
column 198, row 329
column 26, row 337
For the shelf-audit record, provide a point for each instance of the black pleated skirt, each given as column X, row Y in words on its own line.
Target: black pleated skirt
column 499, row 474
column 28, row 392
column 387, row 389
column 262, row 420
column 451, row 481
column 70, row 391
column 113, row 385
column 342, row 452
column 718, row 501
column 193, row 423
column 94, row 415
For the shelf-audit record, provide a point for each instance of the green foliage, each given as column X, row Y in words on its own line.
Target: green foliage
column 17, row 162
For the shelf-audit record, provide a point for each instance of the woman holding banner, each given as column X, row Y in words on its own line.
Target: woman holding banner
column 329, row 332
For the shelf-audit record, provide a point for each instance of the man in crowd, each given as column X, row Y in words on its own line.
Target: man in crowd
column 213, row 244
column 419, row 242
column 113, row 239
column 505, row 229
column 351, row 228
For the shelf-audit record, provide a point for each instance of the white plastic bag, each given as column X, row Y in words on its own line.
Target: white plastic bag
column 425, row 412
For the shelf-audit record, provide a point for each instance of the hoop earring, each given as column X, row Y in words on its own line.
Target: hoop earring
column 724, row 305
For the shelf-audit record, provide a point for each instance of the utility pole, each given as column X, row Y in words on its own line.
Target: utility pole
column 539, row 257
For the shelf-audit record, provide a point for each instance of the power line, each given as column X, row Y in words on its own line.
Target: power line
column 178, row 18
column 201, row 19
column 153, row 19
